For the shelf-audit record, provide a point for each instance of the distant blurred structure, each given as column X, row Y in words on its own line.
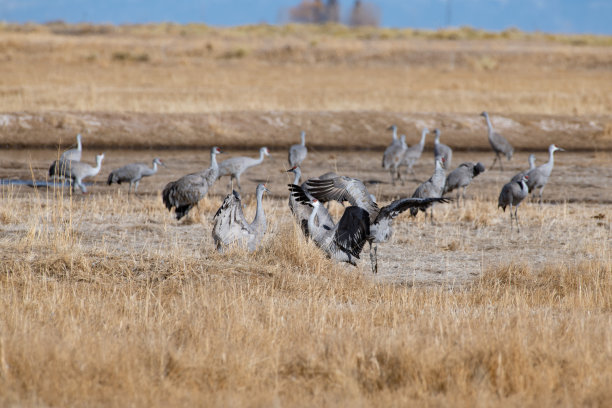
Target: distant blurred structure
column 364, row 15
column 317, row 12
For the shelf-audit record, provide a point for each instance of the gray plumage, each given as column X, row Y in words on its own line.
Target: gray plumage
column 355, row 192
column 74, row 154
column 298, row 152
column 232, row 228
column 442, row 150
column 187, row 191
column 538, row 177
column 432, row 188
column 393, row 156
column 133, row 173
column 518, row 176
column 413, row 153
column 75, row 171
column 302, row 212
column 499, row 143
column 235, row 166
column 461, row 177
column 512, row 194
column 343, row 241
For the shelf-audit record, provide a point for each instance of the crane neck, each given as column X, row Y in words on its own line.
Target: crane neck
column 261, row 157
column 213, row 160
column 489, row 125
column 154, row 168
column 423, row 135
column 311, row 221
column 532, row 162
column 298, row 176
column 303, row 137
column 394, row 133
column 551, row 157
column 79, row 145
column 437, row 139
column 260, row 216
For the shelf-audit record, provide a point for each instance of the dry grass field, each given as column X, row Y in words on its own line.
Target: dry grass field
column 107, row 300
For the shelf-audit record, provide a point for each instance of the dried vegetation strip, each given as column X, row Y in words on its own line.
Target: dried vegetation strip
column 87, row 321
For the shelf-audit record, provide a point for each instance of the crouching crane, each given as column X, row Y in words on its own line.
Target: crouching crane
column 232, row 228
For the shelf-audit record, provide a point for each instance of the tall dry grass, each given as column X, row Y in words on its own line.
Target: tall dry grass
column 107, row 300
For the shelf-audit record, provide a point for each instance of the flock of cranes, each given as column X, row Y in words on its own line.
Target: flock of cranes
column 363, row 221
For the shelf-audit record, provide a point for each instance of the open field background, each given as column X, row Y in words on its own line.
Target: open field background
column 107, row 300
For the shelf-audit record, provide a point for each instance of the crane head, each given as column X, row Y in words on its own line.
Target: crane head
column 265, row 151
column 484, row 113
column 216, row 150
column 292, row 170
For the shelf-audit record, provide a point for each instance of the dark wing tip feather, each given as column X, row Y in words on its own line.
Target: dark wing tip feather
column 353, row 230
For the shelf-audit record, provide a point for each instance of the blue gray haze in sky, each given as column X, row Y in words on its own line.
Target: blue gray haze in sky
column 557, row 16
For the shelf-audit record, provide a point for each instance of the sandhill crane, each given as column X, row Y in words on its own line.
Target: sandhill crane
column 298, row 152
column 393, row 158
column 353, row 190
column 518, row 176
column 413, row 153
column 302, row 212
column 235, row 166
column 76, row 171
column 431, row 188
column 133, row 173
column 443, row 150
column 499, row 143
column 538, row 177
column 231, row 227
column 187, row 191
column 73, row 154
column 343, row 241
column 386, row 162
column 461, row 177
column 511, row 195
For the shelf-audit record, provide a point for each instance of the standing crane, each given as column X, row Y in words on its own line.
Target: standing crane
column 353, row 190
column 133, row 173
column 187, row 191
column 413, row 153
column 431, row 188
column 499, row 143
column 442, row 150
column 298, row 152
column 539, row 176
column 231, row 227
column 512, row 194
column 76, row 171
column 461, row 177
column 235, row 166
column 74, row 154
column 392, row 158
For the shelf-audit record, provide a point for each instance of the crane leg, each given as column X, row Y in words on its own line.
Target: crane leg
column 136, row 186
column 374, row 258
column 392, row 177
column 463, row 195
column 494, row 160
column 510, row 217
column 540, row 198
column 399, row 176
column 231, row 183
column 129, row 188
column 518, row 228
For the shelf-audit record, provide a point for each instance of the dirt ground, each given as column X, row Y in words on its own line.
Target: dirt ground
column 463, row 243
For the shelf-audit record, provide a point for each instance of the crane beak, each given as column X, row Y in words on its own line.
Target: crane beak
column 560, row 149
column 291, row 169
column 266, row 189
column 163, row 164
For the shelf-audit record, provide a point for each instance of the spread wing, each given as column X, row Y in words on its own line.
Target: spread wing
column 353, row 230
column 399, row 206
column 343, row 189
